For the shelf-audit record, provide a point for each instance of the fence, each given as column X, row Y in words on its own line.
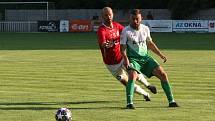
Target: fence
column 88, row 26
column 18, row 26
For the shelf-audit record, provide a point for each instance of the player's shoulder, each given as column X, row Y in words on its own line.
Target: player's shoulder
column 116, row 23
column 101, row 28
column 144, row 26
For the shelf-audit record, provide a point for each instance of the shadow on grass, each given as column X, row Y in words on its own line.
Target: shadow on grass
column 56, row 103
column 41, row 105
column 52, row 108
column 74, row 105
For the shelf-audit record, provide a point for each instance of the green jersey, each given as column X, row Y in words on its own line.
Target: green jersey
column 137, row 49
column 136, row 41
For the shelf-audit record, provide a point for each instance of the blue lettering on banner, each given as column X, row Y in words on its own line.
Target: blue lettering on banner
column 189, row 25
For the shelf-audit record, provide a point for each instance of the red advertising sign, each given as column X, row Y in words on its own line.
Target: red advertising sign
column 80, row 26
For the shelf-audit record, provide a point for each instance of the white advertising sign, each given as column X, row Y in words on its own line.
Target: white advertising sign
column 190, row 25
column 158, row 25
column 64, row 26
column 211, row 26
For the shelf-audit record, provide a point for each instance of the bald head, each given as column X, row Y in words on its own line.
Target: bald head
column 107, row 15
column 106, row 9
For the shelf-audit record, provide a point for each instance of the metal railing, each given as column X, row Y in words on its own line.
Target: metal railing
column 18, row 26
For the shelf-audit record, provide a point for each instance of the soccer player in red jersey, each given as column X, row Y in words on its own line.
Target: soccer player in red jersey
column 109, row 43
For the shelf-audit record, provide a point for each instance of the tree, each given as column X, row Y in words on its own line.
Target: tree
column 182, row 9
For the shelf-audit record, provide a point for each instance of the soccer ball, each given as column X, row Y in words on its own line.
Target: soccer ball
column 63, row 114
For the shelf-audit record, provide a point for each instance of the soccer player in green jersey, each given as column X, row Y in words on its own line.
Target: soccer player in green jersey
column 109, row 42
column 135, row 42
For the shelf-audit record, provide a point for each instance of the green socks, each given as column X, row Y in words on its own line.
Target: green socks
column 167, row 89
column 130, row 91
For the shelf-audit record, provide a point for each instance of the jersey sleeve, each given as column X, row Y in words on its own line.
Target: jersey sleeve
column 123, row 37
column 148, row 38
column 101, row 36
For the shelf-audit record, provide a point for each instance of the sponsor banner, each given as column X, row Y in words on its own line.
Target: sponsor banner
column 64, row 26
column 80, row 26
column 159, row 25
column 48, row 26
column 190, row 25
column 211, row 26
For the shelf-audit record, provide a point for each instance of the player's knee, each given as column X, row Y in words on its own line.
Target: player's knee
column 161, row 74
column 122, row 80
column 133, row 76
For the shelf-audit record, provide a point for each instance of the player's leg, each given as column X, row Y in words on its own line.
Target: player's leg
column 162, row 75
column 130, row 88
column 153, row 68
column 122, row 76
column 120, row 73
column 143, row 81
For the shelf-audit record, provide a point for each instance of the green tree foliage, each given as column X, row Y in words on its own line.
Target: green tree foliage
column 182, row 9
column 116, row 4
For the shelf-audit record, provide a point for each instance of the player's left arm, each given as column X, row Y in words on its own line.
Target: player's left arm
column 152, row 46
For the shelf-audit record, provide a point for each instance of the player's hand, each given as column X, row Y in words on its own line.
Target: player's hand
column 164, row 58
column 109, row 44
column 126, row 63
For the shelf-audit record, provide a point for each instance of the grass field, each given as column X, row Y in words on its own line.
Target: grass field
column 41, row 72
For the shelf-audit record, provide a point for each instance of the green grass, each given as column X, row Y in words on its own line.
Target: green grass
column 41, row 72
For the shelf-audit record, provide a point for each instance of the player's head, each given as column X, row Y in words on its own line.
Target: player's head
column 135, row 18
column 107, row 15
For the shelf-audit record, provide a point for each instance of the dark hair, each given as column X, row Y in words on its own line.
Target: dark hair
column 135, row 12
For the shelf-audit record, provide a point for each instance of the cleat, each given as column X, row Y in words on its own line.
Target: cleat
column 147, row 97
column 152, row 88
column 130, row 106
column 173, row 104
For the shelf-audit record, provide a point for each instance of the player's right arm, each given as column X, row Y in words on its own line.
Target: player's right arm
column 124, row 55
column 103, row 42
column 101, row 38
column 123, row 46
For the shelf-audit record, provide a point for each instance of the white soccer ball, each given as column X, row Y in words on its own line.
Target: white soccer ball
column 63, row 114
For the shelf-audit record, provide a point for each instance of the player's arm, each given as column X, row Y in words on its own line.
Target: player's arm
column 103, row 42
column 123, row 46
column 152, row 46
column 124, row 55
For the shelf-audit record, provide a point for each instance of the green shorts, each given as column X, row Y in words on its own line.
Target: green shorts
column 144, row 65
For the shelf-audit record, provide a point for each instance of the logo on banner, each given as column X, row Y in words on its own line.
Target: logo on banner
column 80, row 26
column 212, row 25
column 190, row 25
column 64, row 26
column 50, row 27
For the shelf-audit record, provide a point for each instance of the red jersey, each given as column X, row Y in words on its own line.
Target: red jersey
column 110, row 55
